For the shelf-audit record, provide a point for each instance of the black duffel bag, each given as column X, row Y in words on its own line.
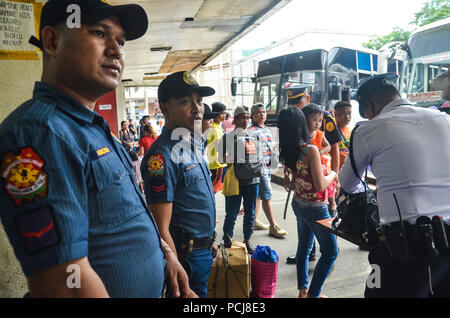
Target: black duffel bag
column 358, row 220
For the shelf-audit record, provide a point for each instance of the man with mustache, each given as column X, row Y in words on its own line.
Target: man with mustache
column 70, row 202
column 177, row 180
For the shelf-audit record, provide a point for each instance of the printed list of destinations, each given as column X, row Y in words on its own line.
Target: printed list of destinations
column 16, row 25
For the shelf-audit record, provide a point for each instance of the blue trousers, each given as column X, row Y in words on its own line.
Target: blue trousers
column 248, row 193
column 198, row 266
column 308, row 228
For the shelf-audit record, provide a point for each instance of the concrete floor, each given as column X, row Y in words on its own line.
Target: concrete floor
column 351, row 269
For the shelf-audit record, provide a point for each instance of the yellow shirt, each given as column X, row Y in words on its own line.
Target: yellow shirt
column 215, row 134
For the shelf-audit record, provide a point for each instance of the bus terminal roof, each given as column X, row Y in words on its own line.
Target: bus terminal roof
column 185, row 35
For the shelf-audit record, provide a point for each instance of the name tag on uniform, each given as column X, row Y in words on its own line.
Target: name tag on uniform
column 97, row 154
column 191, row 167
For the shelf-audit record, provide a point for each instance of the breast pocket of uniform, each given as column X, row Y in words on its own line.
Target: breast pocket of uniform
column 193, row 176
column 115, row 191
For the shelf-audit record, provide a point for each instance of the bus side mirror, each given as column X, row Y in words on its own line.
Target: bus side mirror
column 345, row 93
column 333, row 87
column 233, row 86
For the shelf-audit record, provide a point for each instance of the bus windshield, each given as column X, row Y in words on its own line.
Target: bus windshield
column 267, row 92
column 425, row 76
column 275, row 75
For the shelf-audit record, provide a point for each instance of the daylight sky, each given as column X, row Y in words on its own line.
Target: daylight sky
column 377, row 17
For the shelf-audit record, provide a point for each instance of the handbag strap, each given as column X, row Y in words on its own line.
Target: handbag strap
column 304, row 153
column 352, row 158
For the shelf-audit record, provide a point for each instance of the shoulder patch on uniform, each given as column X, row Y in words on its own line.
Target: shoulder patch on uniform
column 329, row 126
column 24, row 175
column 158, row 188
column 37, row 229
column 156, row 165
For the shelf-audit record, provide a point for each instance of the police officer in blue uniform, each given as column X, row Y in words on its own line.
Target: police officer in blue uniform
column 177, row 179
column 404, row 145
column 70, row 202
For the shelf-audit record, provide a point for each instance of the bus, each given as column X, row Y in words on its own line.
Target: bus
column 332, row 76
column 428, row 58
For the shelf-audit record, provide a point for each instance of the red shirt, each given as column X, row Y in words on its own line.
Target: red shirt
column 146, row 142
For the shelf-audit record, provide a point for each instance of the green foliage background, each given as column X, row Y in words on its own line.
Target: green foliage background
column 432, row 11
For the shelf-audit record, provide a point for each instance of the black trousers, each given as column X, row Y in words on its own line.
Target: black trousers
column 411, row 280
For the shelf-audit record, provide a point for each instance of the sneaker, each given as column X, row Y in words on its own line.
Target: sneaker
column 260, row 226
column 277, row 231
column 250, row 247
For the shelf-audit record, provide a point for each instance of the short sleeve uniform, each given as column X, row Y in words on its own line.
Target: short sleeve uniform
column 331, row 129
column 67, row 191
column 175, row 171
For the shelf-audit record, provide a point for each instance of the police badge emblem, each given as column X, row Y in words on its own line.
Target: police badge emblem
column 156, row 165
column 24, row 175
column 189, row 79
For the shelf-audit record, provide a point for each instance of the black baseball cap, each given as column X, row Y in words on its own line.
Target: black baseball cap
column 208, row 114
column 181, row 84
column 132, row 17
column 372, row 83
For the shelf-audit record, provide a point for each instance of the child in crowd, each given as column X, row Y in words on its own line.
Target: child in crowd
column 314, row 118
column 343, row 117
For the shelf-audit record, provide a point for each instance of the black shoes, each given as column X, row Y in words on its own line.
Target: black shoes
column 292, row 259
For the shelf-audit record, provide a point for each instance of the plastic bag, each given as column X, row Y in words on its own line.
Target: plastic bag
column 265, row 254
column 230, row 183
column 264, row 272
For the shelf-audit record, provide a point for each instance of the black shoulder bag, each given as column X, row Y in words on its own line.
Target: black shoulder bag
column 358, row 219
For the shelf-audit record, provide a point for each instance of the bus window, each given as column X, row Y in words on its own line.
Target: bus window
column 364, row 63
column 418, row 84
column 272, row 106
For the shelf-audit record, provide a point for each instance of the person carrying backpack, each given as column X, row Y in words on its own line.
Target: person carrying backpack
column 242, row 149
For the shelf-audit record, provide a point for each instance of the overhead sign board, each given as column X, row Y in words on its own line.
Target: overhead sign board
column 18, row 21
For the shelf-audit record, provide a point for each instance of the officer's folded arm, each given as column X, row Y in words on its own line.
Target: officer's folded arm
column 53, row 282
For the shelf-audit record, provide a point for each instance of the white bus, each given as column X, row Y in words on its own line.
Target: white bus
column 427, row 61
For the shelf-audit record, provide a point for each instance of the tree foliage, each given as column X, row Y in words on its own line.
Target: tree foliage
column 432, row 11
column 398, row 34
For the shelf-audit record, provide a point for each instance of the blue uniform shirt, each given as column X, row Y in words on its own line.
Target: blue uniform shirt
column 173, row 172
column 67, row 191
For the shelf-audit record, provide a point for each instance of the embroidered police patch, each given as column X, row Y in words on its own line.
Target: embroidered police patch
column 37, row 229
column 158, row 188
column 156, row 165
column 24, row 175
column 329, row 127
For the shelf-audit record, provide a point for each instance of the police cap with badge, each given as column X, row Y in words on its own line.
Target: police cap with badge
column 181, row 84
column 296, row 93
column 368, row 85
column 132, row 17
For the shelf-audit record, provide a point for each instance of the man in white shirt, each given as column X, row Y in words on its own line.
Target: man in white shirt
column 408, row 149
